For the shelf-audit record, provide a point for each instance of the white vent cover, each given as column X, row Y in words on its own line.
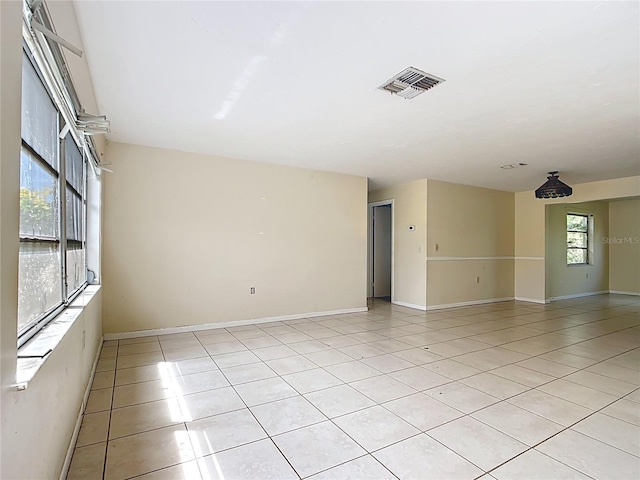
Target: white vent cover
column 410, row 83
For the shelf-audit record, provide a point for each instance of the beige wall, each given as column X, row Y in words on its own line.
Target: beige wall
column 41, row 418
column 624, row 247
column 474, row 230
column 530, row 229
column 567, row 280
column 409, row 263
column 187, row 235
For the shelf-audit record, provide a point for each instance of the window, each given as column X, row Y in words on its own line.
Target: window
column 577, row 239
column 53, row 173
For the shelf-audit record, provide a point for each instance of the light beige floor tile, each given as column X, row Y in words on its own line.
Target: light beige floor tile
column 99, row 400
column 309, row 346
column 109, row 352
column 103, row 380
column 145, row 452
column 106, row 364
column 494, row 385
column 258, row 460
column 339, row 400
column 175, row 336
column 611, row 431
column 330, row 447
column 140, row 359
column 461, row 397
column 87, row 462
column 183, row 471
column 110, row 343
column 382, row 388
column 137, row 340
column 221, row 432
column 585, row 396
column 375, row 427
column 248, row 373
column 211, row 402
column 363, row 468
column 634, row 396
column 423, row 458
column 274, row 353
column 185, row 353
column 624, row 410
column 311, row 380
column 146, row 373
column 293, row 337
column 418, row 356
column 480, row 444
column 144, row 417
column 94, row 428
column 217, row 335
column 179, row 343
column 390, row 345
column 360, row 351
column 422, row 411
column 264, row 391
column 568, row 359
column 352, row 371
column 261, row 342
column 591, row 457
column 551, row 407
column 288, row 414
column 287, row 365
column 601, row 383
column 387, row 363
column 235, row 359
column 491, row 358
column 325, row 358
column 223, row 348
column 533, row 465
column 520, row 424
column 616, row 371
column 452, row 369
column 525, row 376
column 198, row 382
column 547, row 367
column 138, row 348
column 136, row 393
column 419, row 378
column 192, row 365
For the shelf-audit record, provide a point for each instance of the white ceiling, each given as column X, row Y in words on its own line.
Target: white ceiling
column 551, row 84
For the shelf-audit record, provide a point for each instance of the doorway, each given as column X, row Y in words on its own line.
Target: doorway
column 380, row 271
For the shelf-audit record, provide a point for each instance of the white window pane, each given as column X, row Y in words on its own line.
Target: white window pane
column 74, row 164
column 576, row 256
column 576, row 239
column 74, row 216
column 76, row 270
column 38, row 199
column 39, row 285
column 39, row 116
column 577, row 223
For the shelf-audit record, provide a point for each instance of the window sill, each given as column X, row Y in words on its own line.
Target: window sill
column 33, row 354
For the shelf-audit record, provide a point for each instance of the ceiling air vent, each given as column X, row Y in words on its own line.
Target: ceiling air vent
column 410, row 83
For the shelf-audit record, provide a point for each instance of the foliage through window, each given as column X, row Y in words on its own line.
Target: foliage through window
column 53, row 173
column 577, row 239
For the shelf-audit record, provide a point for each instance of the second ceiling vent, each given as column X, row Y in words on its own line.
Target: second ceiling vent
column 410, row 83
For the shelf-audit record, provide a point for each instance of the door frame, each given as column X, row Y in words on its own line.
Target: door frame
column 370, row 207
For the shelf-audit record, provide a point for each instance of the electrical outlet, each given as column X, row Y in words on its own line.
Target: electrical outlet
column 436, row 247
column 477, row 279
column 253, row 290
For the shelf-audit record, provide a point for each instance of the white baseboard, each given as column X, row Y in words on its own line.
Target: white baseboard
column 620, row 292
column 468, row 304
column 76, row 429
column 409, row 305
column 532, row 300
column 577, row 295
column 236, row 323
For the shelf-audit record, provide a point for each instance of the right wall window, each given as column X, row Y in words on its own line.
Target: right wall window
column 577, row 239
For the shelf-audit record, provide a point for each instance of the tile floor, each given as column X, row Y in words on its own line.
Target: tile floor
column 507, row 391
